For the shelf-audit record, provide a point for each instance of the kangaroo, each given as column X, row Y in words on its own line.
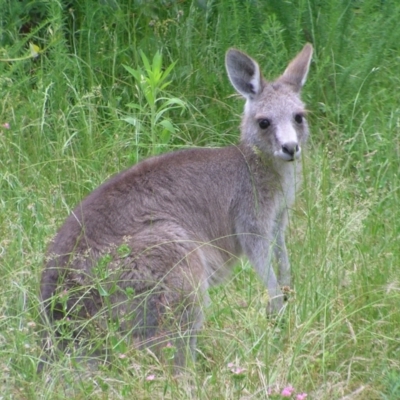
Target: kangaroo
column 143, row 248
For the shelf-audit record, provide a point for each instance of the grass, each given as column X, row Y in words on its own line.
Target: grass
column 68, row 112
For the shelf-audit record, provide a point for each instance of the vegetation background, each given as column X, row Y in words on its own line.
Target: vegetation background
column 83, row 96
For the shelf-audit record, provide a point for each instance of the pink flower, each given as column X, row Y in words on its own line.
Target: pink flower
column 287, row 391
column 6, row 125
column 301, row 396
column 234, row 369
column 237, row 370
column 150, row 377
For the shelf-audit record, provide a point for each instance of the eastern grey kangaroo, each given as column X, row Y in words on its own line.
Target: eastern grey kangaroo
column 143, row 248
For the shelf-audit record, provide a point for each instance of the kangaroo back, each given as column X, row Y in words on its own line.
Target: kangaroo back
column 142, row 249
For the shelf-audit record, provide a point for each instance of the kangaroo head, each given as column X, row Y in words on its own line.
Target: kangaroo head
column 274, row 115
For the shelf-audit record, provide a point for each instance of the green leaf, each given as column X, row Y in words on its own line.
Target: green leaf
column 165, row 85
column 167, row 124
column 165, row 137
column 175, row 101
column 157, row 62
column 150, row 96
column 130, row 120
column 146, row 62
column 168, row 70
column 136, row 73
column 102, row 292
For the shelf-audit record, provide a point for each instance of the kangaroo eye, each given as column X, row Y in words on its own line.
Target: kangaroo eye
column 264, row 123
column 298, row 118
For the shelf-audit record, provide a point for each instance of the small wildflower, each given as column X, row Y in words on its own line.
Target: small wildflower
column 287, row 391
column 122, row 356
column 169, row 344
column 237, row 370
column 31, row 324
column 6, row 125
column 150, row 377
column 301, row 396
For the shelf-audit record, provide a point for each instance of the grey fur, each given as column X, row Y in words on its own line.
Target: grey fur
column 145, row 246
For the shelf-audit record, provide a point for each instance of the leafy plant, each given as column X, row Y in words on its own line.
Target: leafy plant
column 153, row 103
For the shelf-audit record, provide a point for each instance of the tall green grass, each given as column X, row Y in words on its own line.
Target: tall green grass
column 71, row 128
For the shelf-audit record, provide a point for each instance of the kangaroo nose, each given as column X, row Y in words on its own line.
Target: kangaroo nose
column 290, row 148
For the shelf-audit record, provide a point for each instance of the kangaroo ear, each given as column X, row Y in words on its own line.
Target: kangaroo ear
column 244, row 73
column 296, row 72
